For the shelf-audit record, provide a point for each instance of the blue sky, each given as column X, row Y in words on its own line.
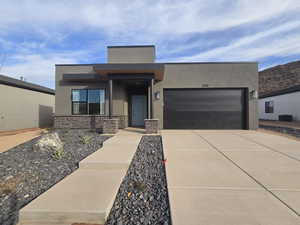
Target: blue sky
column 37, row 34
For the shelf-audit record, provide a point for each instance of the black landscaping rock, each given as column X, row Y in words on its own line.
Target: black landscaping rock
column 143, row 195
column 25, row 174
column 285, row 130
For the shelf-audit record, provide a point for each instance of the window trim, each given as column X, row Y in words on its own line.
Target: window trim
column 87, row 103
column 269, row 109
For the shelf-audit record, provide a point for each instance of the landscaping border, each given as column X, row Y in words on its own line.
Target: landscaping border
column 143, row 195
column 285, row 130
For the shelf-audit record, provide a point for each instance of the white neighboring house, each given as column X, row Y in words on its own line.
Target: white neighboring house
column 280, row 102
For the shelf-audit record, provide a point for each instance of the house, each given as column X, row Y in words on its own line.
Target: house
column 279, row 91
column 134, row 90
column 24, row 105
column 283, row 102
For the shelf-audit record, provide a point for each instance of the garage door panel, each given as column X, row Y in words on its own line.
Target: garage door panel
column 204, row 109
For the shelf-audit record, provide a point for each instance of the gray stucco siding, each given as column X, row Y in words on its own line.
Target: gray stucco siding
column 131, row 54
column 190, row 75
column 212, row 76
column 64, row 90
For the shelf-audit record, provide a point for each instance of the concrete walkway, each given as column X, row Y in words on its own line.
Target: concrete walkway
column 86, row 196
column 232, row 177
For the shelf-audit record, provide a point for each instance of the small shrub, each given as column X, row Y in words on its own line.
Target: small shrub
column 138, row 186
column 59, row 153
column 85, row 139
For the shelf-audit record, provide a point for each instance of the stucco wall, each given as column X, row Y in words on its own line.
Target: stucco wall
column 64, row 89
column 21, row 108
column 131, row 54
column 189, row 75
column 283, row 104
column 211, row 75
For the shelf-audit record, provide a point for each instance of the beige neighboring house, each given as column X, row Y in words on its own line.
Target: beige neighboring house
column 25, row 105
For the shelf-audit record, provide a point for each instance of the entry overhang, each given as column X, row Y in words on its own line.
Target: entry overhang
column 130, row 71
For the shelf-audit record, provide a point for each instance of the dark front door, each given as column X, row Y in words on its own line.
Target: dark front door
column 204, row 109
column 138, row 110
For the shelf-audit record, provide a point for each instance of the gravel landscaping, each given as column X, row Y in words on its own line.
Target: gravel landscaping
column 285, row 130
column 143, row 195
column 25, row 172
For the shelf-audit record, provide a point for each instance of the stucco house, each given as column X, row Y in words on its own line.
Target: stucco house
column 25, row 105
column 131, row 89
column 278, row 103
column 279, row 91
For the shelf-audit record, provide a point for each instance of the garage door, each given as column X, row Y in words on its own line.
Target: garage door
column 204, row 109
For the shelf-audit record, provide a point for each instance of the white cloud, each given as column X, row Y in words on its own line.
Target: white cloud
column 37, row 68
column 50, row 22
column 150, row 17
column 256, row 46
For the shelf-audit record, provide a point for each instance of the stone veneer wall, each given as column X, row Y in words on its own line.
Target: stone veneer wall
column 151, row 126
column 279, row 78
column 110, row 126
column 86, row 122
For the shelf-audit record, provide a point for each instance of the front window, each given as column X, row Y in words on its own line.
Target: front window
column 88, row 101
column 269, row 107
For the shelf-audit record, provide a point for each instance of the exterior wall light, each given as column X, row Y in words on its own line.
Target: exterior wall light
column 157, row 95
column 254, row 94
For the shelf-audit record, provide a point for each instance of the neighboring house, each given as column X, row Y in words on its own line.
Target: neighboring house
column 284, row 102
column 279, row 91
column 24, row 105
column 132, row 88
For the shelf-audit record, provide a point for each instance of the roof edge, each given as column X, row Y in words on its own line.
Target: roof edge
column 5, row 80
column 131, row 46
column 281, row 92
column 164, row 63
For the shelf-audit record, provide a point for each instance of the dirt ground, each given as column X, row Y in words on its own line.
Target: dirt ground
column 293, row 124
column 11, row 139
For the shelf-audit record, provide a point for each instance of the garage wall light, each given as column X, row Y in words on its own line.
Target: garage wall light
column 157, row 95
column 254, row 94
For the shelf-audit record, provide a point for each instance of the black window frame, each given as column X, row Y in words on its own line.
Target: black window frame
column 86, row 101
column 269, row 108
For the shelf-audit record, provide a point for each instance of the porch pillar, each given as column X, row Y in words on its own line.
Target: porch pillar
column 149, row 101
column 152, row 98
column 110, row 110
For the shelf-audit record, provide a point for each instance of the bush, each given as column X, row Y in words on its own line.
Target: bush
column 59, row 153
column 86, row 139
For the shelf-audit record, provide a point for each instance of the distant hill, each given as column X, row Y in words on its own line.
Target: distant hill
column 279, row 77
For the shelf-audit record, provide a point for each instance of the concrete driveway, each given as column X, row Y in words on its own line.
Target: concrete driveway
column 232, row 177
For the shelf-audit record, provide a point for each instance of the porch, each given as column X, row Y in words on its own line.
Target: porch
column 129, row 97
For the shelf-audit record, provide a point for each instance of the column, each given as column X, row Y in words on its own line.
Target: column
column 110, row 99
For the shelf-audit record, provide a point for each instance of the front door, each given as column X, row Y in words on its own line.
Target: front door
column 138, row 110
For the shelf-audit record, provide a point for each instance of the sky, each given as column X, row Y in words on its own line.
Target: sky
column 37, row 34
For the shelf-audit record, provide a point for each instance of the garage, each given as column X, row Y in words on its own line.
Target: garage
column 220, row 108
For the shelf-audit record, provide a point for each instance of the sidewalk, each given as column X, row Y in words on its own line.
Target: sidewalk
column 87, row 195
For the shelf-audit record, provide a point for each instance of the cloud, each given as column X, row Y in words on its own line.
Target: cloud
column 255, row 46
column 34, row 34
column 164, row 17
column 39, row 68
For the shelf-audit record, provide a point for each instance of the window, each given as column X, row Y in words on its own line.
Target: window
column 269, row 107
column 88, row 101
